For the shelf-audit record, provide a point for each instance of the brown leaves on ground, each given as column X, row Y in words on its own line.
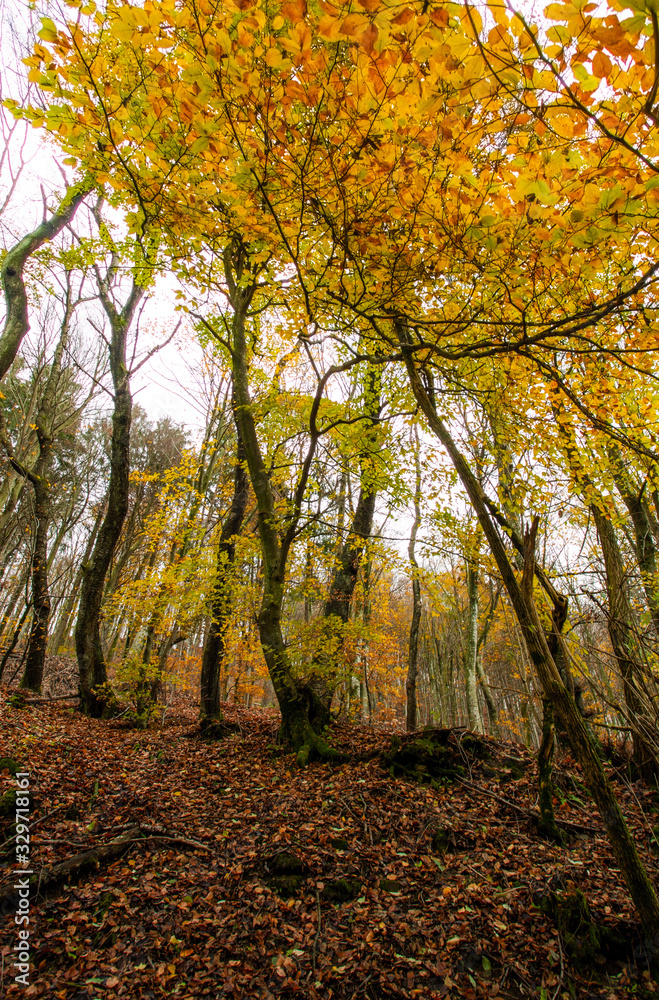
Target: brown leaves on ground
column 374, row 911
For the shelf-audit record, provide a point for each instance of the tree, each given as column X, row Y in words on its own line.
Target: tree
column 16, row 323
column 413, row 660
column 221, row 599
column 91, row 662
column 336, row 610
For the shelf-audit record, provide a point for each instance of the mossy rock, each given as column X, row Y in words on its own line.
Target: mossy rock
column 286, row 885
column 475, row 746
column 426, row 758
column 8, row 804
column 516, row 766
column 341, row 890
column 391, row 885
column 285, row 873
column 285, row 863
column 9, row 764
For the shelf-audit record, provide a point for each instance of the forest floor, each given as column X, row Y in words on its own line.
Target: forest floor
column 249, row 878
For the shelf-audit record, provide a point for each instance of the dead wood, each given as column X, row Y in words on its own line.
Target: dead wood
column 50, row 878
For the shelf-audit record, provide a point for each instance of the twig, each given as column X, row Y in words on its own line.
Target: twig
column 36, row 823
column 315, row 940
column 71, row 843
column 154, row 834
column 366, row 822
column 172, row 840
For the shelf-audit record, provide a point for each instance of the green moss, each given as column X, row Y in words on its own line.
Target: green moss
column 443, row 838
column 391, row 885
column 286, row 885
column 427, row 758
column 341, row 890
column 286, row 864
column 581, row 936
column 217, row 729
column 17, row 700
column 8, row 804
column 285, row 873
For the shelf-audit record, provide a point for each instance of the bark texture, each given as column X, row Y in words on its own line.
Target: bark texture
column 298, row 703
column 327, row 671
column 471, row 651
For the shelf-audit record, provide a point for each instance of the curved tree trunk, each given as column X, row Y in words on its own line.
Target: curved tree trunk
column 621, row 626
column 298, row 703
column 45, row 424
column 17, row 321
column 644, row 531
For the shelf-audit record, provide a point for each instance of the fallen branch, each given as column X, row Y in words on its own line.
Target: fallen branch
column 50, row 878
column 47, row 701
column 528, row 813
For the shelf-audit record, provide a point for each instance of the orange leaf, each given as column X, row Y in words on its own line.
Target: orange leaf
column 294, row 10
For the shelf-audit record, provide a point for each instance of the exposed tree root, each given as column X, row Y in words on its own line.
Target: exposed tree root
column 316, row 748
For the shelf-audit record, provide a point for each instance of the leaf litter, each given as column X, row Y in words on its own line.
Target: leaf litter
column 251, row 878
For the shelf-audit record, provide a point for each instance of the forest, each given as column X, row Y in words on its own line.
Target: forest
column 398, row 259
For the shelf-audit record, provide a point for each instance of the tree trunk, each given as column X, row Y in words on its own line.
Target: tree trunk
column 17, row 321
column 64, row 617
column 326, row 669
column 644, row 530
column 413, row 654
column 297, row 703
column 471, row 651
column 222, row 596
column 547, row 824
column 622, row 844
column 492, row 711
column 37, row 643
column 91, row 662
column 621, row 626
